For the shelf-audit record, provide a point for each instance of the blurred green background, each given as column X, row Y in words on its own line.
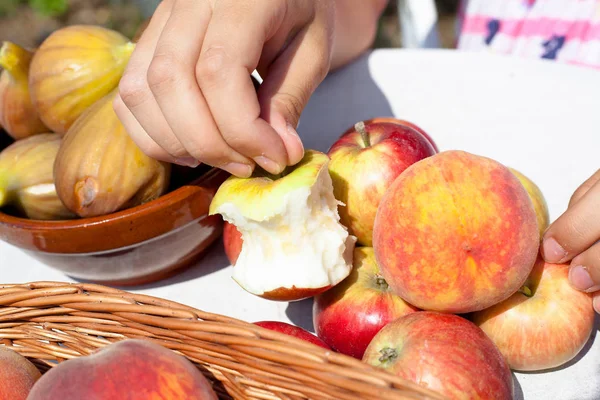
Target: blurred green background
column 28, row 22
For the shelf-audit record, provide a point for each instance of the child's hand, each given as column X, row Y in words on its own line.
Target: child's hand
column 574, row 236
column 187, row 95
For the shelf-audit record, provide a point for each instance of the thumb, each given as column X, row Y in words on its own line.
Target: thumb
column 289, row 84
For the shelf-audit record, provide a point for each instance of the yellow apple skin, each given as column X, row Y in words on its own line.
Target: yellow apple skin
column 542, row 326
column 538, row 199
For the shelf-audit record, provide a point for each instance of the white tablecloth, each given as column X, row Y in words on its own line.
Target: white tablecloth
column 538, row 117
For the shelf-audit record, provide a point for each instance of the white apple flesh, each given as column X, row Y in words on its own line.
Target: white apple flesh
column 294, row 245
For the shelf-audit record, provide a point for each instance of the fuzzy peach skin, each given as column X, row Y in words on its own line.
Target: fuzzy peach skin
column 128, row 370
column 17, row 375
column 456, row 232
column 542, row 326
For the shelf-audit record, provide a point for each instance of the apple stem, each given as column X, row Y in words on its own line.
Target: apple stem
column 388, row 354
column 381, row 282
column 362, row 129
column 526, row 291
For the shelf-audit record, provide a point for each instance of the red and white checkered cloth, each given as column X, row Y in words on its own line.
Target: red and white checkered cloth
column 566, row 31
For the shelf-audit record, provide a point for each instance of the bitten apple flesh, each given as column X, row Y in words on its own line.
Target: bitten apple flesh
column 294, row 245
column 443, row 352
column 456, row 232
column 542, row 326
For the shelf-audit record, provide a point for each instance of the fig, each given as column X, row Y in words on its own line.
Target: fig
column 17, row 113
column 73, row 68
column 26, row 178
column 100, row 170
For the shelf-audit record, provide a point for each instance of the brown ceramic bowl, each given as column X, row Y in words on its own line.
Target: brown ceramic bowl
column 134, row 246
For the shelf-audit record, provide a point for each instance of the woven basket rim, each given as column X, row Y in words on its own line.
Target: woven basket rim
column 50, row 322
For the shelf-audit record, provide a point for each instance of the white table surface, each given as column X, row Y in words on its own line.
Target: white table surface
column 536, row 116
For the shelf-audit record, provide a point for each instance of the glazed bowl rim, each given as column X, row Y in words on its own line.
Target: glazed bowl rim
column 165, row 201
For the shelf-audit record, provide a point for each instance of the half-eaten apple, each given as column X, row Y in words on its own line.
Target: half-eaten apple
column 294, row 245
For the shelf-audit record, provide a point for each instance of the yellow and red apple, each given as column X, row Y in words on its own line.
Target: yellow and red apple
column 349, row 315
column 293, row 243
column 545, row 324
column 365, row 161
column 443, row 352
column 456, row 232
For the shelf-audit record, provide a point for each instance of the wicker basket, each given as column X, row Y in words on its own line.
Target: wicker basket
column 49, row 322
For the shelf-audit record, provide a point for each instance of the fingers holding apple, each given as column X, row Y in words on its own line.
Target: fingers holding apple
column 365, row 161
column 575, row 237
column 349, row 315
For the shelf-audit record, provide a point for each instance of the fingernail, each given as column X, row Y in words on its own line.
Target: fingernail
column 268, row 164
column 580, row 278
column 553, row 252
column 294, row 134
column 238, row 169
column 187, row 162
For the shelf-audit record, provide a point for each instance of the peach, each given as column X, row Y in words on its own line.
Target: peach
column 456, row 232
column 17, row 375
column 130, row 369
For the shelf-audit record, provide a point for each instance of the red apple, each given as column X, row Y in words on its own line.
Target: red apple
column 412, row 125
column 443, row 352
column 292, row 330
column 350, row 314
column 232, row 241
column 365, row 161
column 543, row 325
